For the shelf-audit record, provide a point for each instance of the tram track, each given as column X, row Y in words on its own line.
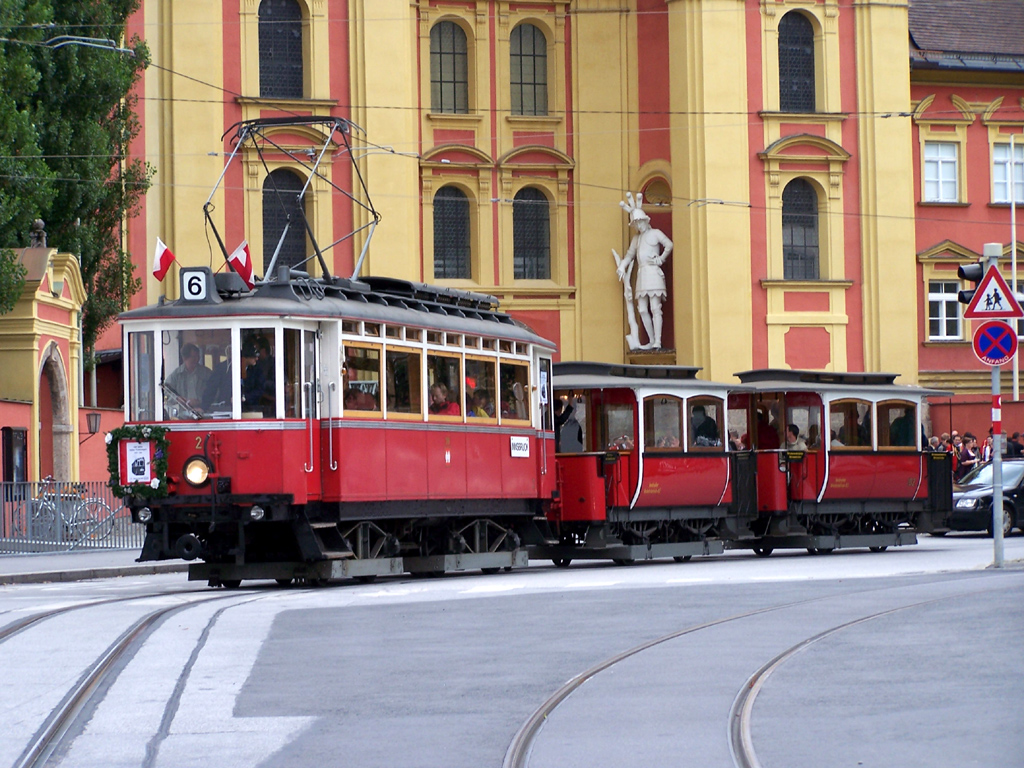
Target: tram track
column 740, row 739
column 62, row 720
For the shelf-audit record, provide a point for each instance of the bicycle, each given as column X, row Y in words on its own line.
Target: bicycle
column 81, row 517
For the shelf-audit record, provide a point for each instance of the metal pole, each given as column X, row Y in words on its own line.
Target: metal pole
column 992, row 252
column 1013, row 255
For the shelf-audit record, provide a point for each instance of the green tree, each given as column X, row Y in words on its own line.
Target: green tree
column 79, row 103
column 26, row 189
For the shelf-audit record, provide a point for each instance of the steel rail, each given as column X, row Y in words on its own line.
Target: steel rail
column 741, row 742
column 64, row 716
column 518, row 753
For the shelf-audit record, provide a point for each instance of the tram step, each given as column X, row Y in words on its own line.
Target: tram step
column 330, row 543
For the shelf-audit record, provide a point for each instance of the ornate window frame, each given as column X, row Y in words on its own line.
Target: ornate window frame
column 820, row 162
column 824, row 18
column 318, row 196
column 945, row 130
column 472, row 178
column 316, row 61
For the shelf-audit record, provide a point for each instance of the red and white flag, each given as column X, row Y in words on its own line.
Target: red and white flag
column 162, row 259
column 242, row 262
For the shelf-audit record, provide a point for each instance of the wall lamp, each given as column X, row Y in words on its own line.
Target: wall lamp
column 93, row 420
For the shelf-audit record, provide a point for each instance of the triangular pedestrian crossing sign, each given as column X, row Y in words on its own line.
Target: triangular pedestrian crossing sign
column 993, row 300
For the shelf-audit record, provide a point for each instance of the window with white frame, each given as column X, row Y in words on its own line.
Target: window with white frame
column 1001, row 165
column 943, row 310
column 940, row 172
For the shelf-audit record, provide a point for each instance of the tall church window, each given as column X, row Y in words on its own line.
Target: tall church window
column 449, row 69
column 529, row 71
column 282, row 206
column 451, row 234
column 800, row 253
column 531, row 235
column 796, row 63
column 280, row 24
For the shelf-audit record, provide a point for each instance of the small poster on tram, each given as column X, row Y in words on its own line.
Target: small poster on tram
column 136, row 461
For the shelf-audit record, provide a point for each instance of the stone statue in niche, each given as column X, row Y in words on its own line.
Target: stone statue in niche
column 648, row 250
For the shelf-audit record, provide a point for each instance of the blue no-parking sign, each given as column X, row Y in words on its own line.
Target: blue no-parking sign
column 995, row 342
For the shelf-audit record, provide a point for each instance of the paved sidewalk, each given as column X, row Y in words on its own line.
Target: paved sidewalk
column 79, row 566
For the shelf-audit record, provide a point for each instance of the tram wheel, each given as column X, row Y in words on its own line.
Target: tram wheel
column 682, row 558
column 878, row 549
column 561, row 562
column 231, row 583
column 819, row 550
column 624, row 561
column 763, row 550
column 283, row 582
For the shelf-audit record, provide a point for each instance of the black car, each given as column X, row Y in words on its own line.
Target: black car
column 972, row 498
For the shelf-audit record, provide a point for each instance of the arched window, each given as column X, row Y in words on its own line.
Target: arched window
column 529, row 60
column 451, row 234
column 449, row 68
column 281, row 206
column 280, row 49
column 800, row 256
column 531, row 235
column 796, row 63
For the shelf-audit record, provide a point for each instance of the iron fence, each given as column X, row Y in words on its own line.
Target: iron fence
column 52, row 516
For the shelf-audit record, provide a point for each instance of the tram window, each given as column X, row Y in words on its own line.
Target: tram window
column 350, row 327
column 188, row 360
column 897, row 424
column 807, row 419
column 259, row 380
column 444, row 378
column 309, row 377
column 361, row 379
column 393, row 331
column 705, row 425
column 453, row 340
column 141, row 379
column 403, row 382
column 617, row 423
column 490, row 344
column 850, row 424
column 473, row 342
column 480, row 388
column 505, row 346
column 433, row 337
column 570, row 422
column 767, row 424
column 663, row 418
column 371, row 329
column 217, row 392
column 546, row 420
column 738, row 422
column 515, row 391
column 292, row 374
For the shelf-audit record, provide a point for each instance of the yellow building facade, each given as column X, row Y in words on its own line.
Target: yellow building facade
column 487, row 122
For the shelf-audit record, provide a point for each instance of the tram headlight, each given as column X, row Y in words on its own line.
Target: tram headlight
column 197, row 471
column 256, row 512
column 145, row 515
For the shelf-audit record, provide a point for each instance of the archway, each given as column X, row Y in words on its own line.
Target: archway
column 55, row 429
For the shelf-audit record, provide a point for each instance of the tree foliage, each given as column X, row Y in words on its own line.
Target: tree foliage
column 67, row 117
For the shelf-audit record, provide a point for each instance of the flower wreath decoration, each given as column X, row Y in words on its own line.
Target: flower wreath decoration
column 157, row 487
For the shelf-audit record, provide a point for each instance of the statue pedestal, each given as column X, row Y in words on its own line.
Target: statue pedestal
column 651, row 357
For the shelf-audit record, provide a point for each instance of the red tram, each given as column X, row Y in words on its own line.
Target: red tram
column 380, row 426
column 654, row 463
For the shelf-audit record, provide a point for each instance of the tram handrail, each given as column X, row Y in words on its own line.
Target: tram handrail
column 330, row 426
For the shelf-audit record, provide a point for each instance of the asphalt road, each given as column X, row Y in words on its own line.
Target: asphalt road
column 917, row 661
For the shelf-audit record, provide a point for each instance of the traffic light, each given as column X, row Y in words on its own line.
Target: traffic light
column 974, row 273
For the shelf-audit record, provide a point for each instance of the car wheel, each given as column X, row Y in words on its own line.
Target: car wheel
column 1007, row 521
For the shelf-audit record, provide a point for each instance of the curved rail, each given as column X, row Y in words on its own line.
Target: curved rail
column 741, row 745
column 46, row 741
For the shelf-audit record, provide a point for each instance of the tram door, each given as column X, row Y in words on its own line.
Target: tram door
column 311, row 397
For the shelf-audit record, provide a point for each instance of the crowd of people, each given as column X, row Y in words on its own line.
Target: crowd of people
column 968, row 452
